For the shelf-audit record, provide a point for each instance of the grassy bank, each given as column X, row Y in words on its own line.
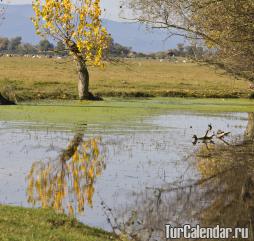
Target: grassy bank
column 56, row 79
column 18, row 224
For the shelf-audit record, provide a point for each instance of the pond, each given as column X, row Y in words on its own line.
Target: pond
column 102, row 172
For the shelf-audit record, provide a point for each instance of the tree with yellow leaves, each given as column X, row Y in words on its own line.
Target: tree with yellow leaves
column 77, row 24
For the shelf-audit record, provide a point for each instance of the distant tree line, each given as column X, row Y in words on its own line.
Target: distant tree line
column 117, row 50
column 186, row 51
column 45, row 47
column 16, row 46
column 189, row 51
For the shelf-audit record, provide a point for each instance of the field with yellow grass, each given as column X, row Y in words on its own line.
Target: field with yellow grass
column 46, row 78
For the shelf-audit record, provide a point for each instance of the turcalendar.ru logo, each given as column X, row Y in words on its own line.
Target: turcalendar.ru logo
column 197, row 232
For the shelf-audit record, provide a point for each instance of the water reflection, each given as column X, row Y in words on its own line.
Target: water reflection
column 139, row 154
column 68, row 181
column 222, row 195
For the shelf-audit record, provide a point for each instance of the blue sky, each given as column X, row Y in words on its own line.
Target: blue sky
column 111, row 6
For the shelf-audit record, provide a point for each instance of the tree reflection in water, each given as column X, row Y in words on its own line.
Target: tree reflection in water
column 69, row 180
column 223, row 195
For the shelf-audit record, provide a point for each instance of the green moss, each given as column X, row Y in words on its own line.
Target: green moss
column 117, row 110
column 21, row 224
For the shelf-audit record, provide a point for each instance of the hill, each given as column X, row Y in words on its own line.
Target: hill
column 134, row 35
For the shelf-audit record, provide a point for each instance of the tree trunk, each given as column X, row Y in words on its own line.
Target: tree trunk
column 249, row 133
column 83, row 82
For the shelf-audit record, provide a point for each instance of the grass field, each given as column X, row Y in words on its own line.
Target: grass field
column 56, row 79
column 21, row 224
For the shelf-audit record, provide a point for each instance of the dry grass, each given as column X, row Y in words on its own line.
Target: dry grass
column 56, row 79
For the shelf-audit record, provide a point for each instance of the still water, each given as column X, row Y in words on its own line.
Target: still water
column 111, row 165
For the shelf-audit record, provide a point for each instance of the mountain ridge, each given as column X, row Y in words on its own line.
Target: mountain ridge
column 135, row 35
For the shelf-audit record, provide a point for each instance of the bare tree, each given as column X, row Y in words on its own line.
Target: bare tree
column 224, row 25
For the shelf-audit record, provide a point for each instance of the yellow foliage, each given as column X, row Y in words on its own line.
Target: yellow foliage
column 76, row 23
column 56, row 183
